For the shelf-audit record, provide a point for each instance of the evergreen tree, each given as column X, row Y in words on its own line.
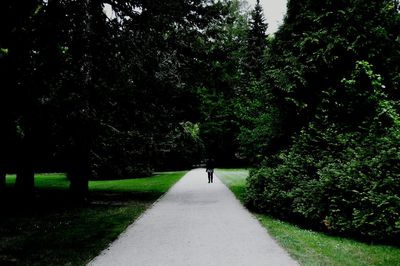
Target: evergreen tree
column 21, row 94
column 252, row 101
column 100, row 93
column 219, row 82
column 330, row 71
column 256, row 42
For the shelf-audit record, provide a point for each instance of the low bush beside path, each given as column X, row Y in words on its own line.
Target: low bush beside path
column 310, row 247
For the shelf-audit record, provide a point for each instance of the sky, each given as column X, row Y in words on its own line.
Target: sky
column 274, row 11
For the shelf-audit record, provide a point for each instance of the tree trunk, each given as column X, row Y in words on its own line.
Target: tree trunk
column 79, row 187
column 80, row 169
column 2, row 180
column 25, row 182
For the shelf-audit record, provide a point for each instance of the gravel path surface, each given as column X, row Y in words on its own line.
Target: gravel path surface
column 195, row 223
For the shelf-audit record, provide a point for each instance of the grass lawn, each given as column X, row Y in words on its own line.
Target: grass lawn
column 51, row 230
column 314, row 248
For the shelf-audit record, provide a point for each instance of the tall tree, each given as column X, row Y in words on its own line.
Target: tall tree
column 5, row 91
column 256, row 42
column 220, row 77
column 82, row 121
column 330, row 70
column 22, row 62
column 253, row 106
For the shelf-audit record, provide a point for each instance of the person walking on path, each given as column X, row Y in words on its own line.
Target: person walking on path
column 210, row 170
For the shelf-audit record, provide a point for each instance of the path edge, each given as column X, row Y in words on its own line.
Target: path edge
column 258, row 221
column 136, row 220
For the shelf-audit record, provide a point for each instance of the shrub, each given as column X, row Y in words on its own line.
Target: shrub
column 340, row 177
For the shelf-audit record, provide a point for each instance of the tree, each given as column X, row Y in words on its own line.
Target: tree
column 219, row 80
column 5, row 111
column 256, row 43
column 330, row 70
column 30, row 63
column 22, row 95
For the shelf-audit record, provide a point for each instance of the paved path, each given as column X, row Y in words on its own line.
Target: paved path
column 195, row 223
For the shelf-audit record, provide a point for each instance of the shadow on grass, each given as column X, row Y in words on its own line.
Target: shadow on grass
column 50, row 229
column 49, row 200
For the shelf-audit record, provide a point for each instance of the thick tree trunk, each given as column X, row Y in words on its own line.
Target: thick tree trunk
column 80, row 169
column 2, row 180
column 79, row 187
column 79, row 172
column 25, row 182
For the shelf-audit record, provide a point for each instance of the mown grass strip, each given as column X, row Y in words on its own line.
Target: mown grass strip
column 310, row 247
column 50, row 230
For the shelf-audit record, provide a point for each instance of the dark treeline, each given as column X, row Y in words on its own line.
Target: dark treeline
column 325, row 137
column 161, row 85
column 118, row 96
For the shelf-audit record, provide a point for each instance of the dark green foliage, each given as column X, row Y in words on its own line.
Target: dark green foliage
column 163, row 84
column 332, row 76
column 21, row 109
column 259, row 121
column 310, row 247
column 182, row 147
column 256, row 43
column 218, row 128
column 219, row 79
column 339, row 182
column 99, row 97
column 121, row 155
column 254, row 112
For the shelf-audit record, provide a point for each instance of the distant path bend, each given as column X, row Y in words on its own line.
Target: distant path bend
column 195, row 223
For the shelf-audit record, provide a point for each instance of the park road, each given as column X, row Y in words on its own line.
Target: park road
column 195, row 223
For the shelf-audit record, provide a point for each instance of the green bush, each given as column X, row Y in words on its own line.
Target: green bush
column 364, row 189
column 339, row 177
column 354, row 190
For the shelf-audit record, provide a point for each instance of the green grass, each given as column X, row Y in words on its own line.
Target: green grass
column 235, row 179
column 310, row 247
column 51, row 230
column 159, row 183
